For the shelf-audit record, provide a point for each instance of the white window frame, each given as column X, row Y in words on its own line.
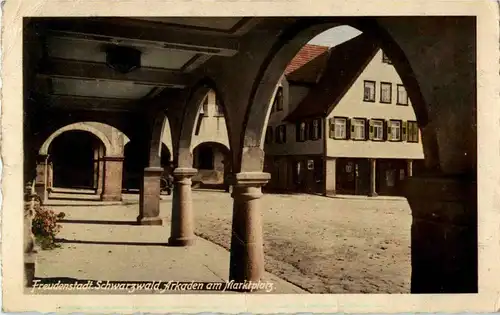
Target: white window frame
column 371, row 98
column 401, row 89
column 396, row 127
column 378, row 124
column 302, row 131
column 385, row 92
column 315, row 129
column 410, row 130
column 359, row 126
column 340, row 129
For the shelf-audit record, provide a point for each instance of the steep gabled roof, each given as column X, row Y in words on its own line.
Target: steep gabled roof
column 344, row 65
column 307, row 65
column 311, row 71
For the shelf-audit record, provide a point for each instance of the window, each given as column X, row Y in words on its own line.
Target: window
column 369, row 91
column 280, row 134
column 219, row 111
column 338, row 128
column 376, row 129
column 402, row 97
column 385, row 92
column 412, row 131
column 385, row 59
column 316, row 129
column 394, row 131
column 301, row 131
column 198, row 124
column 269, row 135
column 358, row 129
column 278, row 100
column 204, row 108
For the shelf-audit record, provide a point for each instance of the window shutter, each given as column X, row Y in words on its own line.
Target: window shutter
column 320, row 128
column 368, row 129
column 389, row 133
column 404, row 131
column 384, row 130
column 348, row 129
column 331, row 126
column 297, row 132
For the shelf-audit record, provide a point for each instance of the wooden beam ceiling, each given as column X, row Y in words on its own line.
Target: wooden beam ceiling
column 72, row 69
column 169, row 37
column 70, row 102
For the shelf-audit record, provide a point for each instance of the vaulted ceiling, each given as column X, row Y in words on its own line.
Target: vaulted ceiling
column 73, row 70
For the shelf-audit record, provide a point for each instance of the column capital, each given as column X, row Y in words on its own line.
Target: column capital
column 153, row 170
column 42, row 158
column 250, row 179
column 181, row 172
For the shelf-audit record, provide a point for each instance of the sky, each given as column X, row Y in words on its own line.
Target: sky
column 335, row 36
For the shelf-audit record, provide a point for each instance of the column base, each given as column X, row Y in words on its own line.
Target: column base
column 330, row 193
column 247, row 250
column 111, row 197
column 372, row 194
column 149, row 220
column 29, row 269
column 443, row 234
column 181, row 241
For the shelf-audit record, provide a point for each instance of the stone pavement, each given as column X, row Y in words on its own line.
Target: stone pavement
column 102, row 243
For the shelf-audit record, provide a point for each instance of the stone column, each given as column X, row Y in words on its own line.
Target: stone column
column 96, row 170
column 247, row 252
column 409, row 168
column 42, row 177
column 182, row 230
column 330, row 174
column 113, row 169
column 443, row 234
column 29, row 241
column 149, row 203
column 100, row 178
column 373, row 178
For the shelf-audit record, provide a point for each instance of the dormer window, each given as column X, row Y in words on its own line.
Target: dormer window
column 278, row 100
column 385, row 59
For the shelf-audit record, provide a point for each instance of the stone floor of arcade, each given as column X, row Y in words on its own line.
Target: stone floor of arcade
column 312, row 243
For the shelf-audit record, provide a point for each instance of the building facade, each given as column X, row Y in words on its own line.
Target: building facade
column 365, row 143
column 209, row 145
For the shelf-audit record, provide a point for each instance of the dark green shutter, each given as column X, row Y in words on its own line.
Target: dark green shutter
column 348, row 129
column 385, row 129
column 367, row 129
column 331, row 128
column 297, row 132
column 404, row 132
column 320, row 128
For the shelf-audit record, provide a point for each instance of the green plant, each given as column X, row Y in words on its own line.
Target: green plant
column 45, row 227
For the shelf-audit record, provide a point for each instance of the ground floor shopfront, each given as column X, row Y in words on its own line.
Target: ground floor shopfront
column 331, row 175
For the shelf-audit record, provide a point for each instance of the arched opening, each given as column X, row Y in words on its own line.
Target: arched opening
column 136, row 159
column 212, row 160
column 322, row 110
column 75, row 159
